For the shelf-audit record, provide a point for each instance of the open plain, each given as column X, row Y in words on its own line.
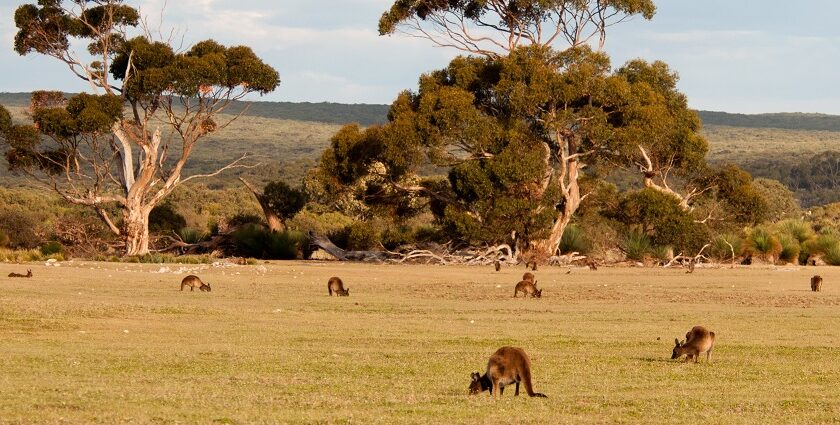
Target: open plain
column 120, row 343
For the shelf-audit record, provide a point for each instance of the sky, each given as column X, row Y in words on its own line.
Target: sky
column 744, row 56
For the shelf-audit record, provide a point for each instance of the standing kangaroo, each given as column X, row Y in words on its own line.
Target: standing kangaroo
column 506, row 366
column 194, row 282
column 336, row 285
column 816, row 283
column 28, row 274
column 527, row 287
column 528, row 276
column 498, row 265
column 697, row 341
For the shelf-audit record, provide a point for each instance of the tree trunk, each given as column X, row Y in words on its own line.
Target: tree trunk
column 569, row 173
column 273, row 220
column 136, row 225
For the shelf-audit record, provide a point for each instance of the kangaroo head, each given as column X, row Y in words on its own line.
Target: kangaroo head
column 538, row 293
column 677, row 345
column 29, row 272
column 477, row 384
column 206, row 287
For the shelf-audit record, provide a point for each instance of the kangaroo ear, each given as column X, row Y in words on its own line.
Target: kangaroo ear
column 677, row 342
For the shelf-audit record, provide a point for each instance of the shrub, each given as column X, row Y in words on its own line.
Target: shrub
column 832, row 255
column 394, row 236
column 52, row 247
column 574, row 240
column 636, row 245
column 4, row 240
column 258, row 242
column 191, row 236
column 362, row 236
column 798, row 229
column 790, row 248
column 20, row 227
column 164, row 219
column 721, row 249
column 762, row 242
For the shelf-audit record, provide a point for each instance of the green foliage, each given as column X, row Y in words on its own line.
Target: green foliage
column 165, row 220
column 258, row 242
column 20, row 227
column 161, row 258
column 762, row 242
column 660, row 216
column 636, row 245
column 832, row 255
column 798, row 229
column 284, row 200
column 743, row 203
column 781, row 201
column 574, row 240
column 362, row 235
column 192, row 236
column 790, row 248
column 721, row 249
column 51, row 248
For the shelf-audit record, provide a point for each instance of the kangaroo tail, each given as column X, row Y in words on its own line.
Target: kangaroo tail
column 526, row 379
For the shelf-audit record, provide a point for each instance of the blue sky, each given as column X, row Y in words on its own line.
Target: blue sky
column 746, row 56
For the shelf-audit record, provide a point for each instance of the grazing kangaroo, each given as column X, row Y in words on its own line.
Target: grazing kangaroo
column 508, row 365
column 336, row 285
column 194, row 282
column 592, row 265
column 697, row 341
column 28, row 274
column 498, row 265
column 816, row 283
column 528, row 276
column 527, row 287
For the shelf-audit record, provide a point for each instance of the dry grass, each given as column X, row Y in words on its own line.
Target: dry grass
column 117, row 343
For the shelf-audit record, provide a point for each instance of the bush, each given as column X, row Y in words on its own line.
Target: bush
column 164, row 219
column 52, row 247
column 20, row 228
column 636, row 246
column 721, row 250
column 4, row 240
column 395, row 236
column 790, row 248
column 191, row 236
column 798, row 229
column 832, row 256
column 258, row 242
column 762, row 242
column 362, row 236
column 574, row 240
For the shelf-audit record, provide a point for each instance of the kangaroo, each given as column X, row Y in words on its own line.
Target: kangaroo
column 336, row 285
column 697, row 341
column 528, row 276
column 28, row 274
column 194, row 282
column 498, row 265
column 508, row 365
column 527, row 287
column 690, row 266
column 592, row 265
column 816, row 283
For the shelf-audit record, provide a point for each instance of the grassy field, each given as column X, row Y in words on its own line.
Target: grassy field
column 119, row 343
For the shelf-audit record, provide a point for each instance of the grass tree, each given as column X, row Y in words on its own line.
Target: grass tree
column 126, row 143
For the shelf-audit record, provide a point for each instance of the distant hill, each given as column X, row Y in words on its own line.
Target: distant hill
column 330, row 113
column 784, row 120
column 370, row 114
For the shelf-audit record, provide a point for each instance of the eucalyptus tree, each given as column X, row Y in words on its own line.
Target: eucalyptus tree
column 126, row 143
column 518, row 119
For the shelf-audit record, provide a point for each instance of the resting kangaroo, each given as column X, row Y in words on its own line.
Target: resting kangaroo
column 28, row 274
column 527, row 287
column 816, row 283
column 336, row 285
column 506, row 366
column 697, row 341
column 194, row 282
